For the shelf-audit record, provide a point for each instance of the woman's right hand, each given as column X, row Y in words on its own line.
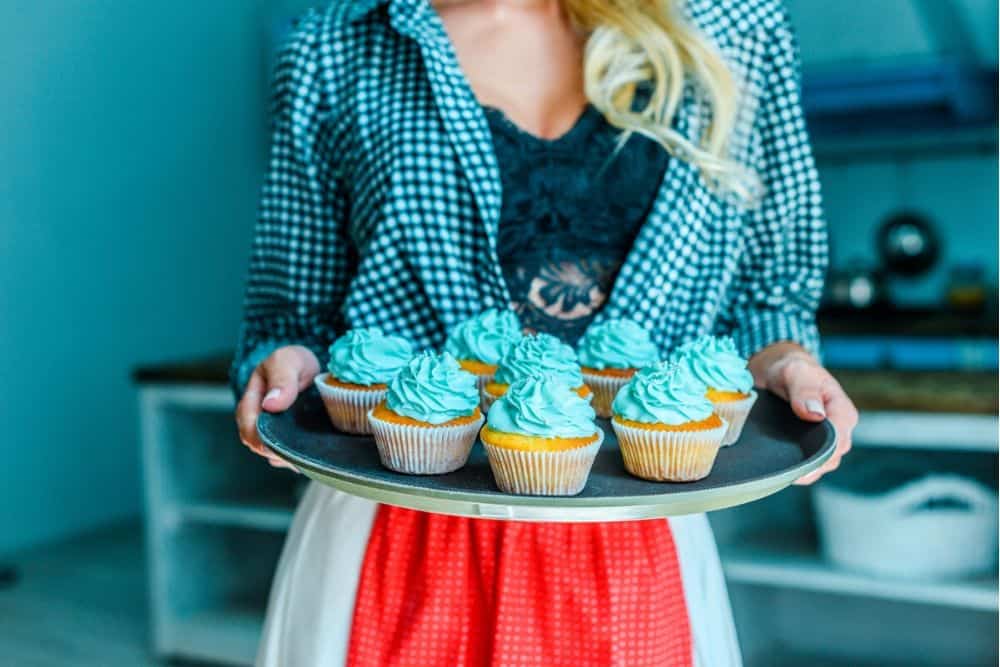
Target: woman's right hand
column 273, row 386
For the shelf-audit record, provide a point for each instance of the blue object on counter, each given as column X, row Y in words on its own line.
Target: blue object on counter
column 855, row 351
column 943, row 354
column 910, row 353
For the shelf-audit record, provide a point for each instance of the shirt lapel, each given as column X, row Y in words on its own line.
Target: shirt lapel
column 463, row 118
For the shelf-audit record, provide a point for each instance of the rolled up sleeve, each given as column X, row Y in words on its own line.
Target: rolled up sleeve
column 300, row 263
column 779, row 282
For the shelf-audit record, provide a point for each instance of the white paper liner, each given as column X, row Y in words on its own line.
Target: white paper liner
column 481, row 382
column 669, row 456
column 736, row 413
column 424, row 450
column 348, row 408
column 562, row 473
column 605, row 388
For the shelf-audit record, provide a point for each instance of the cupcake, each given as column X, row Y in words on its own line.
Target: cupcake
column 362, row 362
column 481, row 341
column 610, row 353
column 666, row 427
column 540, row 438
column 716, row 362
column 429, row 419
column 533, row 356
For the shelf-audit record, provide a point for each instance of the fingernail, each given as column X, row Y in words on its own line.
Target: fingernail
column 274, row 393
column 815, row 407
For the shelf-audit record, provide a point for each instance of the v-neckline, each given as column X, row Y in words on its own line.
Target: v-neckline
column 583, row 122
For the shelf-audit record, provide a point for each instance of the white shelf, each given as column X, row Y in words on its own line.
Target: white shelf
column 789, row 562
column 209, row 397
column 262, row 516
column 976, row 433
column 228, row 637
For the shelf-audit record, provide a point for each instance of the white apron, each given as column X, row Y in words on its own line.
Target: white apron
column 312, row 599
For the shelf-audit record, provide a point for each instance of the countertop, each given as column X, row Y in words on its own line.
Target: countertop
column 961, row 392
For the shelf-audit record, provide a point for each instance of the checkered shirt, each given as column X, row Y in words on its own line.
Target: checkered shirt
column 382, row 200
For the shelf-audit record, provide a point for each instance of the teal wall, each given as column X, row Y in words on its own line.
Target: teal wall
column 132, row 141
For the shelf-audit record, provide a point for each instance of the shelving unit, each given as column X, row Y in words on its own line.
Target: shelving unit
column 913, row 430
column 216, row 518
column 792, row 561
column 783, row 589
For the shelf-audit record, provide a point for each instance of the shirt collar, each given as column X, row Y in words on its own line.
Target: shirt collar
column 358, row 8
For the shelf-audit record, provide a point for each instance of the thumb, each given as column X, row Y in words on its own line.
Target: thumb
column 805, row 394
column 282, row 389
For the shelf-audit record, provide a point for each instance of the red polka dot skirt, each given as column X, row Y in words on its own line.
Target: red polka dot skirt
column 441, row 591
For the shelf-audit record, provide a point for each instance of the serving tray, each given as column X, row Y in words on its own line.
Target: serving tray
column 775, row 449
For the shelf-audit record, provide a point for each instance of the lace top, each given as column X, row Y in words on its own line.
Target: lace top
column 571, row 209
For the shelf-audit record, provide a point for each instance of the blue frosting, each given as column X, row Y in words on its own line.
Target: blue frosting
column 715, row 362
column 485, row 337
column 617, row 344
column 542, row 406
column 540, row 354
column 367, row 356
column 433, row 389
column 663, row 394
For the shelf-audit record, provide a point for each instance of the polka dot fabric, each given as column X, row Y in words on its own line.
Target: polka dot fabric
column 383, row 196
column 440, row 591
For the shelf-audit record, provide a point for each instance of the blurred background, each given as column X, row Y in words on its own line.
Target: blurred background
column 136, row 529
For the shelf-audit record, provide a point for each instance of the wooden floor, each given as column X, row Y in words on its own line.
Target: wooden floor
column 82, row 603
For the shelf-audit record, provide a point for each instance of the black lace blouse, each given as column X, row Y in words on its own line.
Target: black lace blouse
column 571, row 210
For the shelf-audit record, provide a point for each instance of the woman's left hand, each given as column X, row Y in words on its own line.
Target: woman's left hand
column 814, row 394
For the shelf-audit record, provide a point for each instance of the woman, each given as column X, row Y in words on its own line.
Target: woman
column 576, row 160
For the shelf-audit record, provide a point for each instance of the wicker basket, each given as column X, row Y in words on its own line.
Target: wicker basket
column 931, row 525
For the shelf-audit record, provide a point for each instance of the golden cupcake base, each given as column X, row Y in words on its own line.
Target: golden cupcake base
column 537, row 472
column 417, row 448
column 605, row 385
column 348, row 404
column 735, row 411
column 668, row 455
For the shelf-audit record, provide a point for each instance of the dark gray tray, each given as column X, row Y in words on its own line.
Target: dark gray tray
column 776, row 448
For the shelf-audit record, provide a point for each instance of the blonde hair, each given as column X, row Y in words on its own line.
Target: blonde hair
column 634, row 42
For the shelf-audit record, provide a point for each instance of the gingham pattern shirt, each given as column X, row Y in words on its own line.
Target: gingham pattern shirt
column 383, row 195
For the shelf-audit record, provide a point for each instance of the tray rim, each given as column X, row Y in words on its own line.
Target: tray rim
column 560, row 508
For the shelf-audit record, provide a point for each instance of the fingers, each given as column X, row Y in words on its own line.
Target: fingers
column 282, row 386
column 844, row 417
column 247, row 412
column 287, row 374
column 805, row 386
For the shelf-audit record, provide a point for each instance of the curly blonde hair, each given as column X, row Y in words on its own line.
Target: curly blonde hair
column 649, row 42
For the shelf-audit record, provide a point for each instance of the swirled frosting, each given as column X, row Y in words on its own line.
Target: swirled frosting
column 367, row 356
column 540, row 354
column 617, row 344
column 715, row 362
column 433, row 389
column 485, row 337
column 543, row 406
column 663, row 394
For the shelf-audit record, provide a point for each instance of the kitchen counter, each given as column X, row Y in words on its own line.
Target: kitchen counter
column 971, row 392
column 962, row 392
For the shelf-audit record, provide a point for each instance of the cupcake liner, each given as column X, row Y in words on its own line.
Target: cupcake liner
column 423, row 450
column 736, row 413
column 348, row 408
column 669, row 456
column 605, row 388
column 481, row 382
column 562, row 473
